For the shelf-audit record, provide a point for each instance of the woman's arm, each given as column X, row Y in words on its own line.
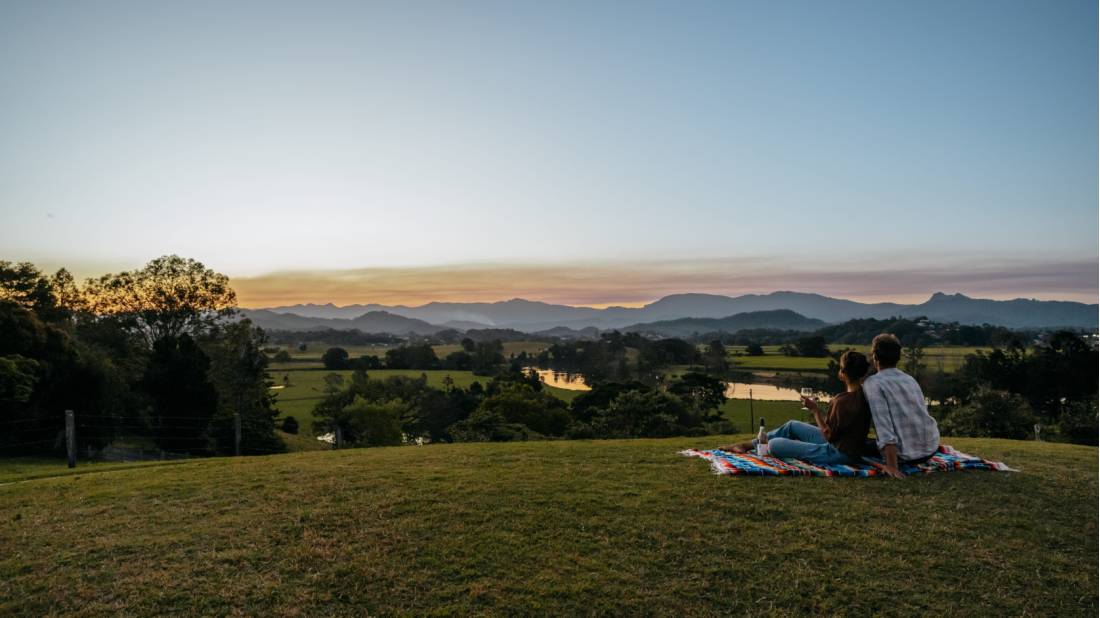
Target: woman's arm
column 819, row 418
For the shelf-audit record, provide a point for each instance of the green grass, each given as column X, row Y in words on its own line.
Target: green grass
column 313, row 352
column 564, row 528
column 950, row 358
column 774, row 412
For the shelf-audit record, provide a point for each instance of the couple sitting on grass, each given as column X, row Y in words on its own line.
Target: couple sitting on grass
column 891, row 398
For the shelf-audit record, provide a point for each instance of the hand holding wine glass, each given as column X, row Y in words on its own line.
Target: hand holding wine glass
column 806, row 401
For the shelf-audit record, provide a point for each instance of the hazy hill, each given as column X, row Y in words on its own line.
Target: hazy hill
column 371, row 322
column 531, row 316
column 783, row 319
column 1018, row 313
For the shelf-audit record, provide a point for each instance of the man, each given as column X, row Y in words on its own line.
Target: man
column 907, row 434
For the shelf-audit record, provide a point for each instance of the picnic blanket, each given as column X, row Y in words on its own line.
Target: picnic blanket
column 946, row 460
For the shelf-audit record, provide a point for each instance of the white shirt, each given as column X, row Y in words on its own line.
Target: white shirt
column 900, row 414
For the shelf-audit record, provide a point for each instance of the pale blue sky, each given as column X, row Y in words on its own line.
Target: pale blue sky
column 268, row 136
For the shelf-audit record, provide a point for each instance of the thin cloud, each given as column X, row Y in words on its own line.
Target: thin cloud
column 638, row 283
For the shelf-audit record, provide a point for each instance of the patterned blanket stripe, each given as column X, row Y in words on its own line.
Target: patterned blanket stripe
column 747, row 464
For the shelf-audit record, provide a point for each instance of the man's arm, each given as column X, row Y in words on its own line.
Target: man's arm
column 887, row 440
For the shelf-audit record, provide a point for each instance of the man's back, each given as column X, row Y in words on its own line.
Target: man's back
column 900, row 414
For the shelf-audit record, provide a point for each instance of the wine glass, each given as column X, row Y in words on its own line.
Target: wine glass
column 807, row 393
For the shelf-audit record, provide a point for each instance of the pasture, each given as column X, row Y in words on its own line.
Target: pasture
column 561, row 527
column 948, row 358
column 303, row 389
column 311, row 356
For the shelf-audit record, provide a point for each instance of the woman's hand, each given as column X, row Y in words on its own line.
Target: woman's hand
column 810, row 404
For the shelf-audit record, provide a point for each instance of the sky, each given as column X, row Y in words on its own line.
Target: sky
column 591, row 153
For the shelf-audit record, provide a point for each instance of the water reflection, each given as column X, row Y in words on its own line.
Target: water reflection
column 766, row 392
column 734, row 390
column 561, row 379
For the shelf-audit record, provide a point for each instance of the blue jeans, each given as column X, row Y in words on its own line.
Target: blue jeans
column 798, row 440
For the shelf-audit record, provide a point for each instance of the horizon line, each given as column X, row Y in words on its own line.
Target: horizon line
column 927, row 298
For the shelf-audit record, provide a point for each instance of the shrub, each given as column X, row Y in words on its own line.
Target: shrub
column 290, row 425
column 991, row 414
column 335, row 358
column 373, row 423
column 1078, row 423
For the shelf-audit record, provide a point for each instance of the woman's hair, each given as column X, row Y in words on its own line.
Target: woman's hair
column 854, row 364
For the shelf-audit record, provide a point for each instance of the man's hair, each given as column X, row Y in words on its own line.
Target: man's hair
column 886, row 349
column 854, row 364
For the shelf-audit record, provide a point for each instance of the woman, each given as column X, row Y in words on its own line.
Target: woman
column 840, row 437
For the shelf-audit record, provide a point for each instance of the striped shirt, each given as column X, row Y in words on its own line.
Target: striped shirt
column 900, row 414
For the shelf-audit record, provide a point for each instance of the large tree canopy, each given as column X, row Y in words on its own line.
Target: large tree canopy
column 169, row 297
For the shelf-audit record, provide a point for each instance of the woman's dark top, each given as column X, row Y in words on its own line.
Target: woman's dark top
column 848, row 423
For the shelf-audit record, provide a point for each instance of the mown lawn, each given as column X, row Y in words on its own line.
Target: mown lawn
column 570, row 528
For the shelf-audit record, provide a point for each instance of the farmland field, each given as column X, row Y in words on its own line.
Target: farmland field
column 305, row 388
column 313, row 352
column 559, row 527
column 949, row 358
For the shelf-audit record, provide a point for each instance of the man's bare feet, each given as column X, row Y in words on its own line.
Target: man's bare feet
column 740, row 447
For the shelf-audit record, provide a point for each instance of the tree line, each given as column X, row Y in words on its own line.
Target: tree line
column 915, row 331
column 152, row 356
column 514, row 406
column 481, row 357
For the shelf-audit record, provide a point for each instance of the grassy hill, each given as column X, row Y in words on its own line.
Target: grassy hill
column 626, row 527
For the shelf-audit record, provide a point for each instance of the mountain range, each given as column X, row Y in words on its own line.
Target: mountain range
column 534, row 316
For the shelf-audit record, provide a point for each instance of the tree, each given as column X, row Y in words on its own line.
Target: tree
column 991, row 414
column 812, row 346
column 366, row 362
column 700, row 392
column 335, row 359
column 459, row 361
column 488, row 356
column 649, row 413
column 282, row 356
column 52, row 299
column 420, row 356
column 433, row 414
column 290, row 425
column 468, row 344
column 601, row 395
column 754, row 349
column 912, row 357
column 518, row 403
column 168, row 297
column 183, row 399
column 715, row 359
column 371, row 423
column 238, row 370
column 333, row 383
column 43, row 372
column 18, row 375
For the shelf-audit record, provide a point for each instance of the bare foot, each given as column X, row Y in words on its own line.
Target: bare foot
column 740, row 447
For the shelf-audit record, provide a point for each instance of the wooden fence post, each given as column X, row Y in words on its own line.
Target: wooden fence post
column 70, row 437
column 237, row 433
column 752, row 419
column 339, row 441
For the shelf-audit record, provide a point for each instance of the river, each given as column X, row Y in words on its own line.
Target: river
column 734, row 390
